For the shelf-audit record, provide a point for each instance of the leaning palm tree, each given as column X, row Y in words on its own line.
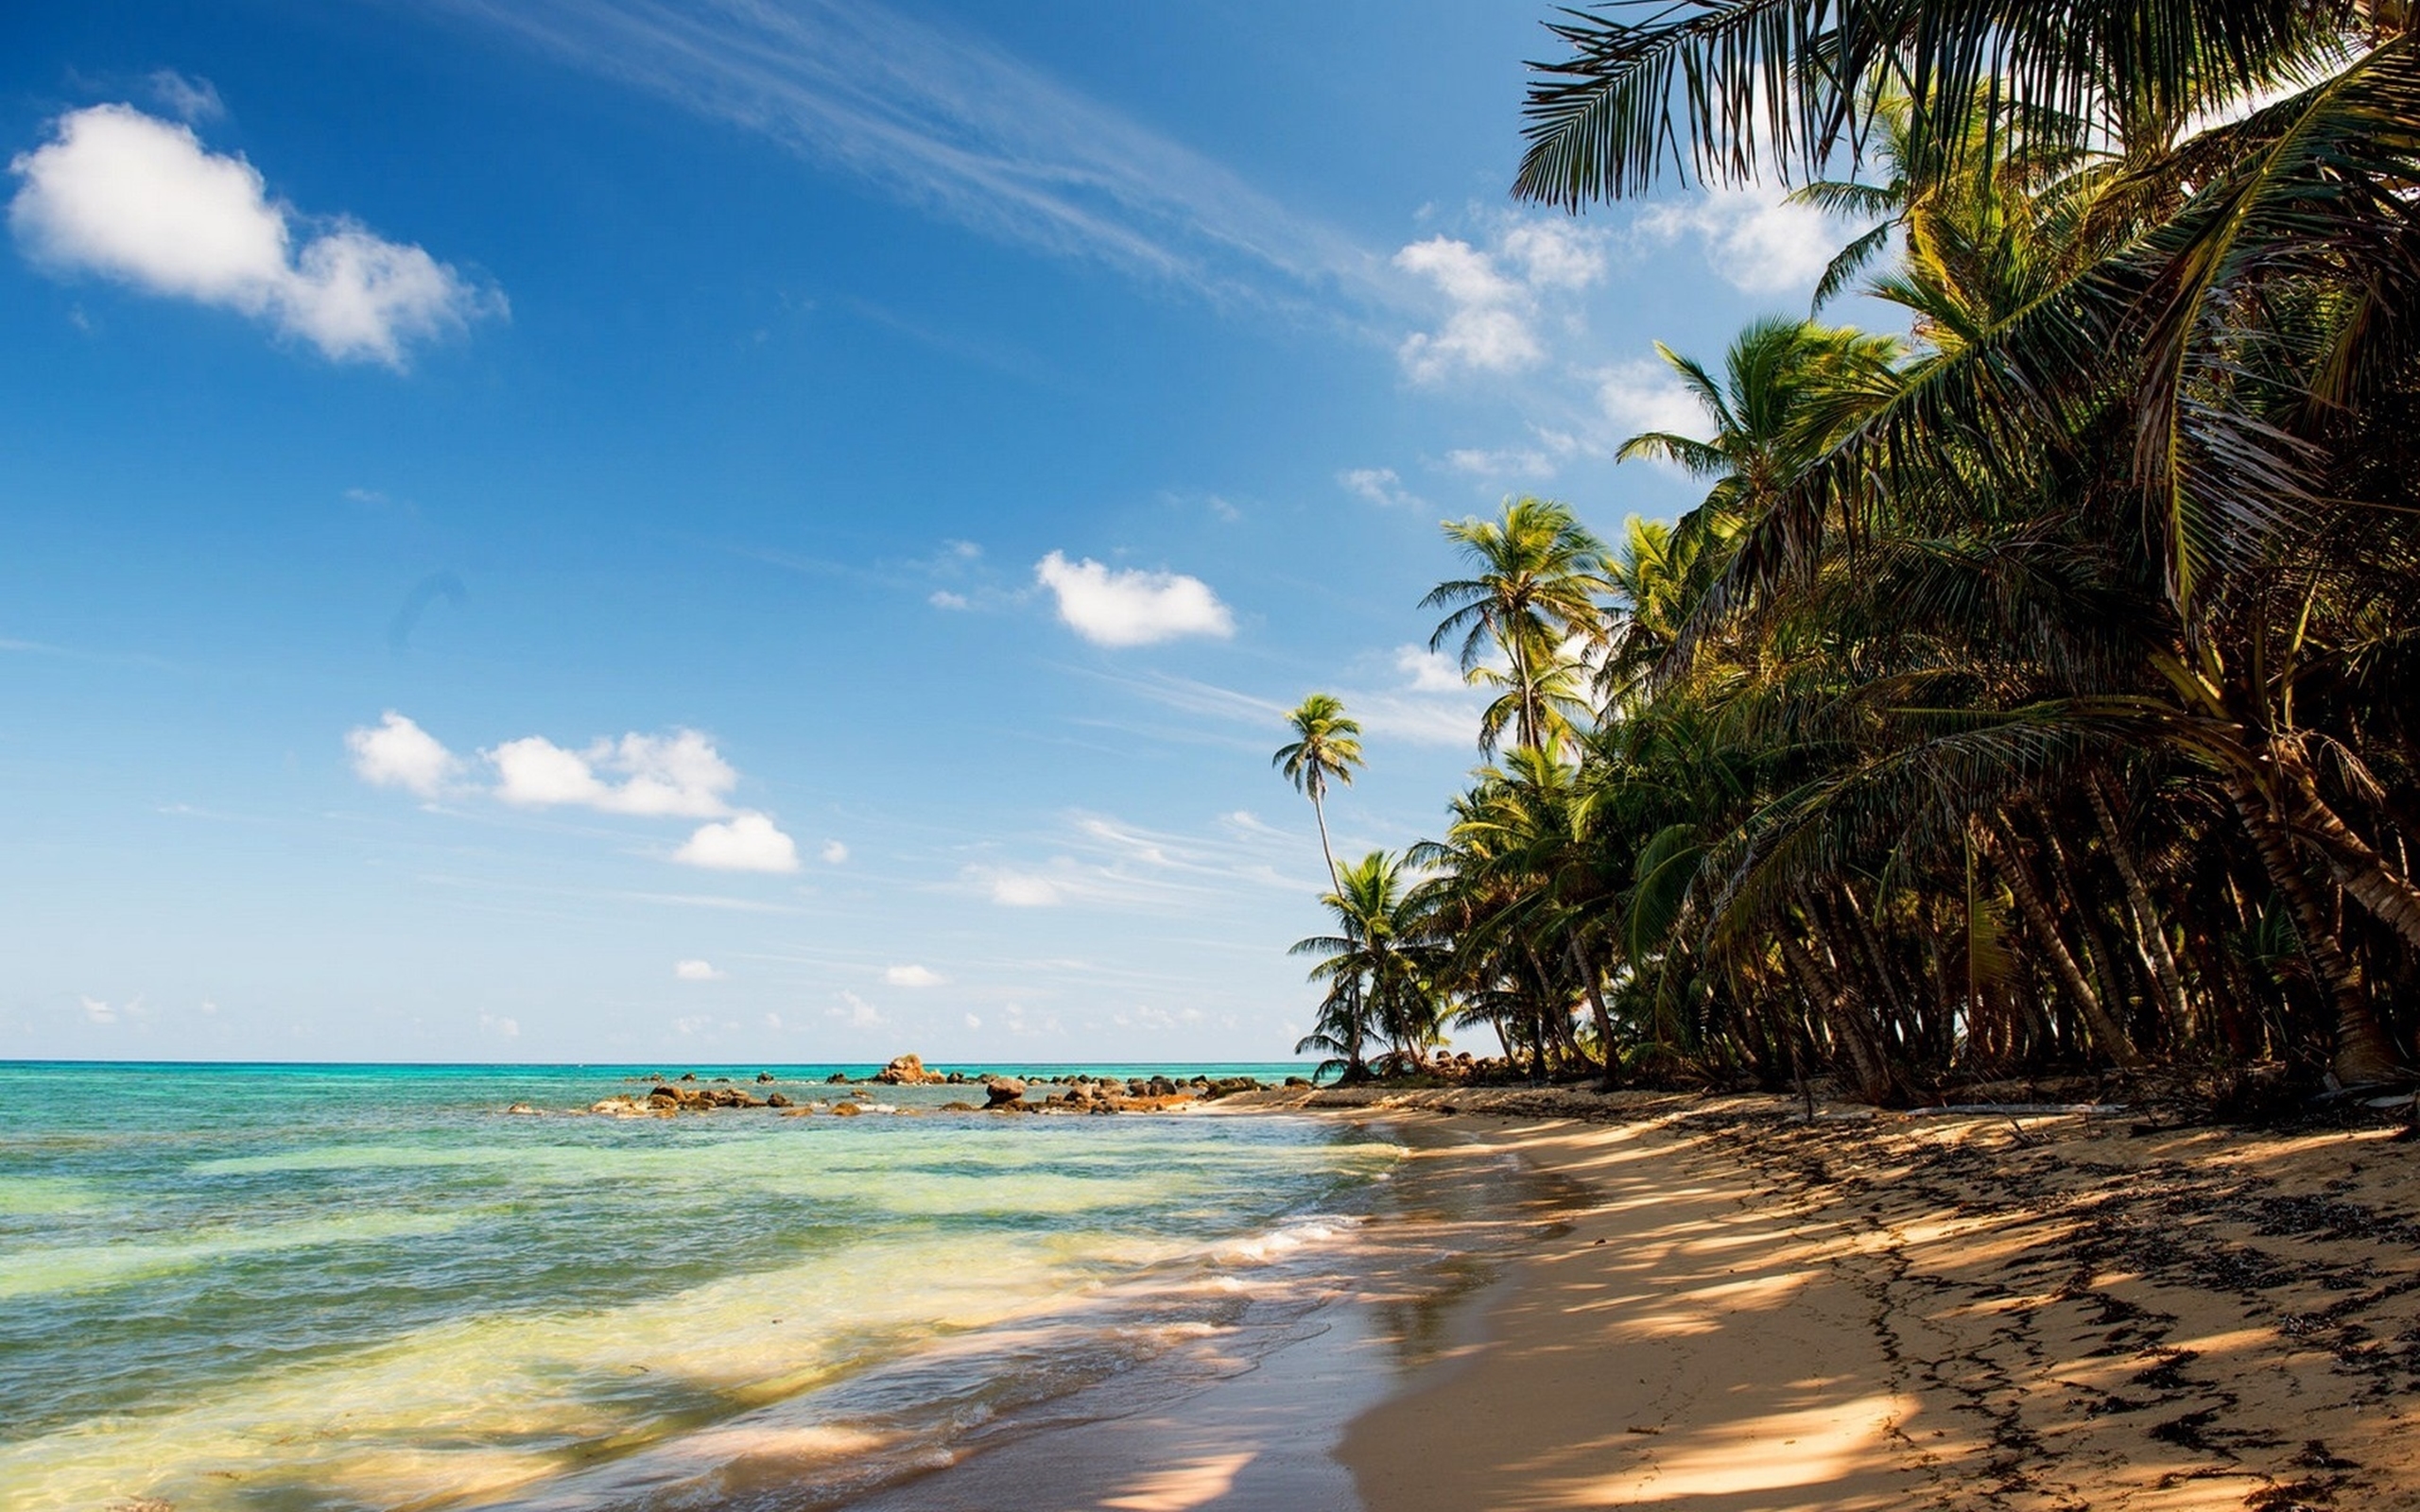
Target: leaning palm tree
column 1539, row 575
column 1326, row 745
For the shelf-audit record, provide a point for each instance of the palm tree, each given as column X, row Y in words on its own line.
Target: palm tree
column 1325, row 744
column 1539, row 575
column 1379, row 966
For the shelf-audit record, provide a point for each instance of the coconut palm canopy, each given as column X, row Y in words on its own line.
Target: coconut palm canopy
column 2033, row 696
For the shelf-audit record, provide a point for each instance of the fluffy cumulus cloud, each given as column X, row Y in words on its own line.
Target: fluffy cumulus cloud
column 698, row 971
column 1646, row 395
column 680, row 774
column 1128, row 607
column 1495, row 297
column 913, row 977
column 395, row 752
column 133, row 197
column 745, row 842
column 834, row 853
column 675, row 775
column 1753, row 238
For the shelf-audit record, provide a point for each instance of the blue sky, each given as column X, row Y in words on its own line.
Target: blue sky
column 763, row 529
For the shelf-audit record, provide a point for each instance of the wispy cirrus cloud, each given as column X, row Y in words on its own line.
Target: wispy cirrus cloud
column 951, row 123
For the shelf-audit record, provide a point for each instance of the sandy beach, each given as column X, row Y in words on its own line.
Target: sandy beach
column 1719, row 1309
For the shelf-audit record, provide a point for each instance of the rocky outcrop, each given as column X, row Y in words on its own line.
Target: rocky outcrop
column 1001, row 1091
column 907, row 1071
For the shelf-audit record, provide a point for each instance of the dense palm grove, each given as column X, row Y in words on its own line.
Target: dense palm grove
column 2033, row 694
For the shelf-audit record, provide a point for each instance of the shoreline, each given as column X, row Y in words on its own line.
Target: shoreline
column 1734, row 1309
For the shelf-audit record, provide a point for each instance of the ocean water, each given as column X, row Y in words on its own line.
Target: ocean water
column 296, row 1287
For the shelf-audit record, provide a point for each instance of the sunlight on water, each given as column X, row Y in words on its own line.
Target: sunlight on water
column 311, row 1290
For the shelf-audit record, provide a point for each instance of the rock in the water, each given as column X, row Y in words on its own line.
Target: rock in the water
column 1000, row 1090
column 846, row 1110
column 959, row 1108
column 907, row 1071
column 764, row 1075
column 777, row 1100
column 522, row 1107
column 838, row 1079
column 688, row 1075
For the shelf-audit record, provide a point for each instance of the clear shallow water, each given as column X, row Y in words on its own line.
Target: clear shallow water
column 313, row 1287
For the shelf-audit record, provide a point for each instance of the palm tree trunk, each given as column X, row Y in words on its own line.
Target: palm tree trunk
column 1318, row 813
column 2150, row 934
column 2361, row 1053
column 1588, row 984
column 2358, row 869
column 2001, row 848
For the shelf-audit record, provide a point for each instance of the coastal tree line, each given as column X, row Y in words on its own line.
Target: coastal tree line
column 2032, row 694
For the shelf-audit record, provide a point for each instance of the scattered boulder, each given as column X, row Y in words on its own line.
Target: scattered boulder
column 524, row 1109
column 777, row 1100
column 1297, row 1081
column 838, row 1079
column 688, row 1075
column 846, row 1110
column 764, row 1075
column 907, row 1071
column 1003, row 1090
column 959, row 1108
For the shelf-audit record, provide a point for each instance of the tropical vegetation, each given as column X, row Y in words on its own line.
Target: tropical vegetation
column 2031, row 693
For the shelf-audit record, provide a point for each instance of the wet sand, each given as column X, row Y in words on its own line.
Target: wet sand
column 1711, row 1305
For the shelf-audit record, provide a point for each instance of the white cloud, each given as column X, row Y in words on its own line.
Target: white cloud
column 834, row 853
column 942, row 120
column 1494, row 297
column 1017, row 890
column 396, row 752
column 746, row 842
column 501, row 1028
column 98, row 1011
column 913, row 977
column 192, row 100
column 1380, row 486
column 943, row 598
column 973, row 1021
column 1431, row 671
column 1555, row 255
column 139, row 199
column 698, row 971
column 1753, row 237
column 677, row 775
column 1646, row 395
column 1506, row 462
column 859, row 1014
column 1128, row 607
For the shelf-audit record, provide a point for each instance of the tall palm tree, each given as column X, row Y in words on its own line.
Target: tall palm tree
column 1538, row 576
column 1326, row 745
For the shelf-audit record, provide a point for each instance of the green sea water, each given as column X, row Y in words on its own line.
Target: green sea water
column 304, row 1287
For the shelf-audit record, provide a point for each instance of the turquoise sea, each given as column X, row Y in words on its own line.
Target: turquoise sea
column 291, row 1288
